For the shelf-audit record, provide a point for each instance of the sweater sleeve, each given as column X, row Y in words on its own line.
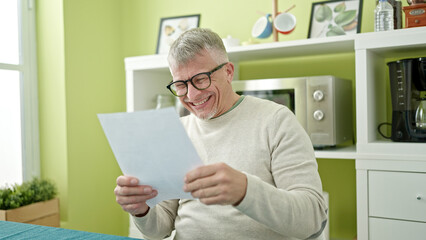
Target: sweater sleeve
column 294, row 206
column 159, row 222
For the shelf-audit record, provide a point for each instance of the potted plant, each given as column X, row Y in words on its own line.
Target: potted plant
column 31, row 202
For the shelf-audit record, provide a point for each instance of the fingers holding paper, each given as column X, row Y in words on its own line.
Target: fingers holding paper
column 216, row 184
column 131, row 196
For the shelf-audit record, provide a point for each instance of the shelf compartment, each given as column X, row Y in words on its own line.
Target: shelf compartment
column 372, row 52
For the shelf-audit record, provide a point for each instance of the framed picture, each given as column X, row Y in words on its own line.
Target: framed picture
column 172, row 27
column 334, row 18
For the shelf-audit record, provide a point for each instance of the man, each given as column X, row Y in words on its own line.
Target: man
column 260, row 178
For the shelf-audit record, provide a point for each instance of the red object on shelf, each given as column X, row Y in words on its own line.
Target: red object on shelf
column 415, row 15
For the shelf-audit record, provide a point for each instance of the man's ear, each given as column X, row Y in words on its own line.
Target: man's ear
column 230, row 71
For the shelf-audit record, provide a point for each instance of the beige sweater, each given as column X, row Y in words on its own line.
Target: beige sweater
column 284, row 194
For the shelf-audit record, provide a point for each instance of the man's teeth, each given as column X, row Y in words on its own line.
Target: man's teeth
column 199, row 103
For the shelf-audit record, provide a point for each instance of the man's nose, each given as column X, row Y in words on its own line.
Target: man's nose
column 192, row 92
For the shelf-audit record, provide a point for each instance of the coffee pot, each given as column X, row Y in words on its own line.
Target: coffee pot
column 408, row 91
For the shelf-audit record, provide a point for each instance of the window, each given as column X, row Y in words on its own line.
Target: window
column 19, row 151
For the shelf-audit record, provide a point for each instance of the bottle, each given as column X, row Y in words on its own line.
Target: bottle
column 383, row 16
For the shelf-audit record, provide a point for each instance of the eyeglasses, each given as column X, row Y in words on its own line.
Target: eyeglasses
column 200, row 81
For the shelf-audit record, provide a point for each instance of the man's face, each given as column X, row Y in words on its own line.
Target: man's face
column 210, row 102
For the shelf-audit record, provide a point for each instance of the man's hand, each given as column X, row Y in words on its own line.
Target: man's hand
column 131, row 196
column 216, row 184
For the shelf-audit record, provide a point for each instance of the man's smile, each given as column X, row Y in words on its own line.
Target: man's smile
column 201, row 102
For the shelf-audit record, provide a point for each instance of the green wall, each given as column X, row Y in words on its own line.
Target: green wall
column 81, row 73
column 81, row 49
column 52, row 104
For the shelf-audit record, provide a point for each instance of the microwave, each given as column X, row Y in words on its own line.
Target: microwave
column 322, row 104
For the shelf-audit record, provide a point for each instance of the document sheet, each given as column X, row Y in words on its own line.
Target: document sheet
column 154, row 147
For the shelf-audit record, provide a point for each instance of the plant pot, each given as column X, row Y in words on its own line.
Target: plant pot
column 41, row 213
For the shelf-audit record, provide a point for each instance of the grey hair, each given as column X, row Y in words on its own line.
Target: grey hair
column 192, row 42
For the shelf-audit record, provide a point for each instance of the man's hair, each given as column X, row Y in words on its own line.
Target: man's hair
column 192, row 42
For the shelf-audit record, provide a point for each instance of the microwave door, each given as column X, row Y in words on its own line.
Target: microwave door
column 284, row 97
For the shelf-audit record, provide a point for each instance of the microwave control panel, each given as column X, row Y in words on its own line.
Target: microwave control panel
column 329, row 110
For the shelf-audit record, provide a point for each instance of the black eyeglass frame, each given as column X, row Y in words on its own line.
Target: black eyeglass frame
column 190, row 80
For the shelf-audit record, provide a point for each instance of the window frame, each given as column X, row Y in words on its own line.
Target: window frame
column 30, row 128
column 27, row 68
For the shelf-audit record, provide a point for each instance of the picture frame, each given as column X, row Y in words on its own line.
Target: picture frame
column 172, row 27
column 334, row 18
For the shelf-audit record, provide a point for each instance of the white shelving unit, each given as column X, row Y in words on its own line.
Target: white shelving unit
column 371, row 52
column 391, row 176
column 147, row 76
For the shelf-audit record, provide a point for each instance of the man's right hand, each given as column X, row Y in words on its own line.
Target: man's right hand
column 131, row 196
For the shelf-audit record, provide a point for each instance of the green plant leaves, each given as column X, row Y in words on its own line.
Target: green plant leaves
column 335, row 31
column 323, row 13
column 33, row 191
column 339, row 20
column 340, row 7
column 345, row 17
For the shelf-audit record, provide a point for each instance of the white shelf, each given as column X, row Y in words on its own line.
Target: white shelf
column 348, row 152
column 149, row 62
column 305, row 47
column 392, row 151
column 386, row 164
column 393, row 43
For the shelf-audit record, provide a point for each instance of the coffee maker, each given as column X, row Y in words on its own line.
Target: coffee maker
column 408, row 93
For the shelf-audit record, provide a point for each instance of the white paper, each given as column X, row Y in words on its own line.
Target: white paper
column 153, row 146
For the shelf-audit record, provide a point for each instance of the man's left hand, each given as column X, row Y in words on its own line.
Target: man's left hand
column 216, row 184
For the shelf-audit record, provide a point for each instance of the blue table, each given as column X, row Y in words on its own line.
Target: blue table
column 22, row 231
